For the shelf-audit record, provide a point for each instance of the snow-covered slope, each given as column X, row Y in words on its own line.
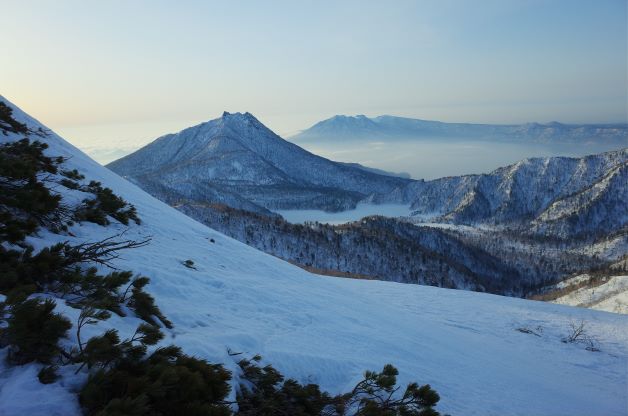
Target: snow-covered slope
column 611, row 296
column 352, row 128
column 236, row 160
column 328, row 330
column 558, row 196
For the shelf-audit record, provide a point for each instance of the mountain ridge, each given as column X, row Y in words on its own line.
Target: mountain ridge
column 527, row 192
column 236, row 153
column 387, row 127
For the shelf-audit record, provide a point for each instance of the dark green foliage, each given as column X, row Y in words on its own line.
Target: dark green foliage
column 107, row 350
column 8, row 124
column 98, row 291
column 25, row 201
column 71, row 179
column 266, row 393
column 48, row 374
column 105, row 203
column 34, row 330
column 144, row 304
column 167, row 382
column 103, row 350
column 70, row 184
column 73, row 175
column 147, row 335
column 87, row 288
column 22, row 273
column 57, row 269
column 376, row 395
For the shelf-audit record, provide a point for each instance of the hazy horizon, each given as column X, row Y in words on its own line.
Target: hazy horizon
column 113, row 76
column 130, row 71
column 423, row 158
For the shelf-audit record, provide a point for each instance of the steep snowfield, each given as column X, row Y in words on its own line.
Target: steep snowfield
column 328, row 330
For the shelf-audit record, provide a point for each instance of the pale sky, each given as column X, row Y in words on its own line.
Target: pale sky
column 124, row 72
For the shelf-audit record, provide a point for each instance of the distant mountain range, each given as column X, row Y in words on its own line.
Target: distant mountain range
column 238, row 161
column 355, row 128
column 534, row 222
column 235, row 160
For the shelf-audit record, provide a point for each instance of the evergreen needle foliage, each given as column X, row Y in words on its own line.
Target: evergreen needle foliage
column 25, row 201
column 34, row 330
column 265, row 392
column 105, row 203
column 8, row 124
column 167, row 383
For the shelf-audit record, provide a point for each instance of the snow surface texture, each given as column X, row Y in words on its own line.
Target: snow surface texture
column 611, row 296
column 329, row 330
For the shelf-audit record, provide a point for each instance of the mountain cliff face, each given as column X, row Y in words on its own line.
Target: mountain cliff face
column 350, row 128
column 235, row 159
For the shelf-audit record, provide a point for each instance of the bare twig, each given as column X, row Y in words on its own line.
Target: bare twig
column 102, row 252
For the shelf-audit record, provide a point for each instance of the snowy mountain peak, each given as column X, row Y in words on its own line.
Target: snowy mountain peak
column 245, row 127
column 241, row 162
column 343, row 117
column 342, row 125
column 238, row 116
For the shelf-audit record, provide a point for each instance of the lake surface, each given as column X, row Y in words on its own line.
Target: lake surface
column 299, row 216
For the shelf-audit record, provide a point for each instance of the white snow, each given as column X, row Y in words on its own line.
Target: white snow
column 611, row 296
column 329, row 330
column 299, row 216
column 21, row 393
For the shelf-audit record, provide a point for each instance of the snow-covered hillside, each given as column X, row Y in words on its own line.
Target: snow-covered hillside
column 328, row 330
column 237, row 160
column 611, row 296
column 556, row 196
column 360, row 128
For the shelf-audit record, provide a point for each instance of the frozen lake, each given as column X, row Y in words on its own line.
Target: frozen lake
column 299, row 216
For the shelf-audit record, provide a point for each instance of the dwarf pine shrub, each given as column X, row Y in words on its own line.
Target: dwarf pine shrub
column 34, row 330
